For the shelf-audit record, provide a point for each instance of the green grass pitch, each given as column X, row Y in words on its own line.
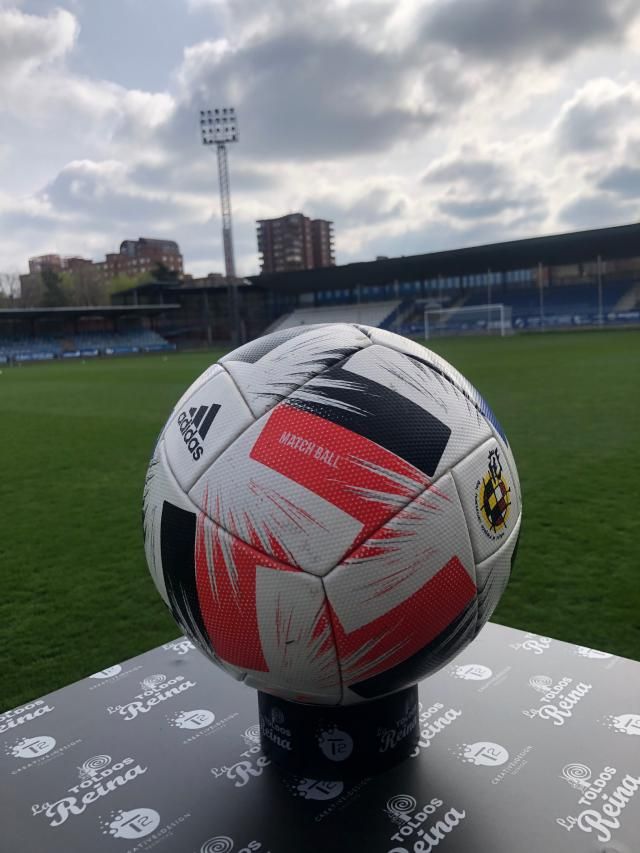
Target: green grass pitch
column 76, row 438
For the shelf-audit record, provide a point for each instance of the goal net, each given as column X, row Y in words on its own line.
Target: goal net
column 489, row 319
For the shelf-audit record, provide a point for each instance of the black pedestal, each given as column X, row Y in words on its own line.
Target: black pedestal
column 339, row 743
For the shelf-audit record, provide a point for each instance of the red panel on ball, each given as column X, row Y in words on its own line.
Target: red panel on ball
column 405, row 629
column 226, row 581
column 353, row 473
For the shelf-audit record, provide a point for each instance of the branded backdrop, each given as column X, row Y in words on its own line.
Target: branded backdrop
column 526, row 744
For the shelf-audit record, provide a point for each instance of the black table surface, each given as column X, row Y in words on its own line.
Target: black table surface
column 527, row 745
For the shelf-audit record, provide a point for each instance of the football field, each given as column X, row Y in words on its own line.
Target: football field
column 76, row 438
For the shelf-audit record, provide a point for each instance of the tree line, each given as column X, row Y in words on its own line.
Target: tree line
column 81, row 287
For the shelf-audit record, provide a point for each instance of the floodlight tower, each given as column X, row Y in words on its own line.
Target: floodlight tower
column 218, row 127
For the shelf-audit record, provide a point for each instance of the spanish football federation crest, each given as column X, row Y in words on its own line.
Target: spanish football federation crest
column 493, row 498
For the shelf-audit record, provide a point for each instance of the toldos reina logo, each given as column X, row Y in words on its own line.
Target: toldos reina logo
column 98, row 777
column 431, row 725
column 225, row 844
column 389, row 737
column 557, row 703
column 155, row 689
column 19, row 716
column 413, row 834
column 605, row 796
column 252, row 765
column 181, row 646
column 274, row 728
column 533, row 643
column 195, row 425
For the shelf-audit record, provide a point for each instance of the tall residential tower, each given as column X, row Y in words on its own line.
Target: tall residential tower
column 295, row 242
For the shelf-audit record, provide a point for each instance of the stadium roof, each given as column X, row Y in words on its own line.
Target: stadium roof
column 577, row 247
column 87, row 311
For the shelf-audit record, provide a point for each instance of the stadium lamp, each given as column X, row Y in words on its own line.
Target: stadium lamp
column 218, row 126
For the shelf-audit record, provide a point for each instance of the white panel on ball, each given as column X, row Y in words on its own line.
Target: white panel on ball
column 208, row 374
column 427, row 389
column 401, row 557
column 404, row 345
column 292, row 363
column 401, row 344
column 191, row 390
column 397, row 342
column 206, row 423
column 274, row 513
column 485, row 483
column 493, row 574
column 296, row 635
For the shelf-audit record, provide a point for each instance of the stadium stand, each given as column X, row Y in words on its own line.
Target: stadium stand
column 391, row 293
column 570, row 266
column 559, row 299
column 367, row 313
column 561, row 306
column 21, row 349
column 141, row 339
column 16, row 348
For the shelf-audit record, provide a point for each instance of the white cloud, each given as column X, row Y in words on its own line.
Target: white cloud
column 598, row 117
column 28, row 41
column 519, row 30
column 597, row 211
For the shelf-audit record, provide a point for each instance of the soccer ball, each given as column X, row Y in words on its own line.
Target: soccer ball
column 331, row 513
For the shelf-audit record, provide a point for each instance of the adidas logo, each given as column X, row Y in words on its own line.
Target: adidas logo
column 196, row 424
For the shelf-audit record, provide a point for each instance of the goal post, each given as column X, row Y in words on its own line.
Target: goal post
column 489, row 319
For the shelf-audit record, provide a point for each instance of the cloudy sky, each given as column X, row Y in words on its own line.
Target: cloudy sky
column 415, row 125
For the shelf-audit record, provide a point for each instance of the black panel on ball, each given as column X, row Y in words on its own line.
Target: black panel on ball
column 374, row 411
column 177, row 551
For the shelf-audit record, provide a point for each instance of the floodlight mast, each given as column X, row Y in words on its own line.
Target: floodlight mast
column 225, row 208
column 218, row 127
